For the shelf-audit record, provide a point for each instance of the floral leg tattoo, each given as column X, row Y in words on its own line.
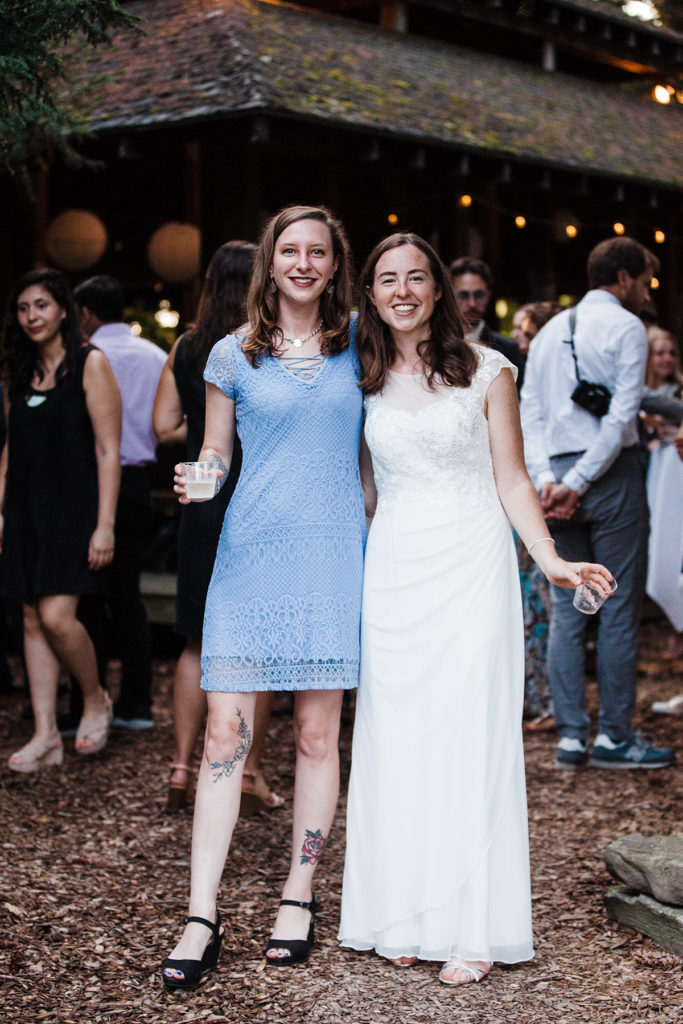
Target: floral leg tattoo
column 223, row 769
column 313, row 846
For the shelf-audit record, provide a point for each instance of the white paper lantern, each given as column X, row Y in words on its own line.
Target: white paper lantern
column 174, row 252
column 76, row 239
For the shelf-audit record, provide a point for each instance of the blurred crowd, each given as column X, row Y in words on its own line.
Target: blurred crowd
column 86, row 401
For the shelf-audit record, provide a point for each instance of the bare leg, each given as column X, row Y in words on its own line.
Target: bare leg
column 42, row 669
column 316, row 790
column 189, row 708
column 228, row 738
column 71, row 644
column 253, row 782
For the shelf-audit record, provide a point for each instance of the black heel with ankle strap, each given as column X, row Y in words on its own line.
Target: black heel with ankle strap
column 194, row 970
column 298, row 949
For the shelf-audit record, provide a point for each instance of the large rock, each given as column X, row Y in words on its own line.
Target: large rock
column 664, row 924
column 649, row 864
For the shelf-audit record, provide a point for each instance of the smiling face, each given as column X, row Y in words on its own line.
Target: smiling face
column 40, row 316
column 404, row 291
column 663, row 359
column 303, row 261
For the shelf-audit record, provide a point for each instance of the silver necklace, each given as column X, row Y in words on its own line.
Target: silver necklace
column 299, row 342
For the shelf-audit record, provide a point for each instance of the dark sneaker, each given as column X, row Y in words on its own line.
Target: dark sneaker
column 570, row 753
column 633, row 753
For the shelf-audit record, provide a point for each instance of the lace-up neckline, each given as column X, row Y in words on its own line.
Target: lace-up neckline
column 304, row 367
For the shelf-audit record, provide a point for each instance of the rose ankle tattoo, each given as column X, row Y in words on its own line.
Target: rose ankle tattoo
column 223, row 769
column 313, row 846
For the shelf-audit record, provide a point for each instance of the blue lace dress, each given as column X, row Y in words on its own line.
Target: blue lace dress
column 283, row 607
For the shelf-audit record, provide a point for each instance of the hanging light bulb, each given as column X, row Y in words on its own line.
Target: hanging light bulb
column 465, row 200
column 662, row 93
column 520, row 221
column 660, row 237
column 618, row 228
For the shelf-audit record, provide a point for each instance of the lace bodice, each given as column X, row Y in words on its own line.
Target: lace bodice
column 432, row 446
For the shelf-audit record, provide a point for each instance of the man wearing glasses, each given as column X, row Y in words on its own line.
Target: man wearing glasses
column 473, row 284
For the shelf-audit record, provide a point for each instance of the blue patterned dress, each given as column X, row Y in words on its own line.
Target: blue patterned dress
column 283, row 608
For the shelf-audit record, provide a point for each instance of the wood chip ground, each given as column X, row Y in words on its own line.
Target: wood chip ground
column 94, row 880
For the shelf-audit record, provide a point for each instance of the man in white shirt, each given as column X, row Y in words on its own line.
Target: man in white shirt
column 591, row 480
column 137, row 366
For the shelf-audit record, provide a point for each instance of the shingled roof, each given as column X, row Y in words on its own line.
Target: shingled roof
column 205, row 60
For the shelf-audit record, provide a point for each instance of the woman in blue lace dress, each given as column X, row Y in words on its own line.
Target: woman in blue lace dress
column 283, row 607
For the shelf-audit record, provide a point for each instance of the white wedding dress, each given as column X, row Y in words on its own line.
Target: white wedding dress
column 437, row 860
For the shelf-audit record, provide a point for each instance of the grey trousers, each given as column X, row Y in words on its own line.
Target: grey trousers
column 611, row 527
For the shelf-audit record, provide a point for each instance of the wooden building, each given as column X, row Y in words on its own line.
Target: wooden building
column 518, row 131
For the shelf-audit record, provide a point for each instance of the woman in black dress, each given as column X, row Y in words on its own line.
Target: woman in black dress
column 179, row 417
column 59, row 481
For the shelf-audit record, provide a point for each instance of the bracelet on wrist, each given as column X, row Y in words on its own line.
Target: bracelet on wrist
column 539, row 541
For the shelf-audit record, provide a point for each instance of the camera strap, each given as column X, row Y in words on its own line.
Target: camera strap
column 572, row 328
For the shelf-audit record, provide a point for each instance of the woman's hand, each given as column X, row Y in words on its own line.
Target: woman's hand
column 101, row 548
column 571, row 574
column 180, row 484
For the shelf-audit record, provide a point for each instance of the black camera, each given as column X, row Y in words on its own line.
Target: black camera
column 594, row 398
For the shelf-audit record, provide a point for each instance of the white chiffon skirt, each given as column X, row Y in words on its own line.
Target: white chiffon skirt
column 437, row 860
column 665, row 498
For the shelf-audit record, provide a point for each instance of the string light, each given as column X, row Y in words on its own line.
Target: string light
column 465, row 200
column 571, row 231
column 501, row 308
column 654, row 283
column 660, row 237
column 663, row 93
column 520, row 221
column 392, row 218
column 618, row 228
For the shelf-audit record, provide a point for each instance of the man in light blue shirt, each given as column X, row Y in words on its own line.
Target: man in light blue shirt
column 137, row 366
column 591, row 481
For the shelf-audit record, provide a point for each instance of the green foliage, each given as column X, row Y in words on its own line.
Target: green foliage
column 34, row 36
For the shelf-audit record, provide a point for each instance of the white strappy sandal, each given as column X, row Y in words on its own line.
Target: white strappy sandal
column 473, row 974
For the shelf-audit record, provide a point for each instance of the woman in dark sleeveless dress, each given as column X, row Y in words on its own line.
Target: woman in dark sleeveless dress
column 179, row 416
column 58, row 485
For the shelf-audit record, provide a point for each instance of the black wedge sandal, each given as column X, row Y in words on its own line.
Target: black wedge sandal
column 194, row 970
column 298, row 949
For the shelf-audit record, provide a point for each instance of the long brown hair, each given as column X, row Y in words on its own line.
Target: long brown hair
column 19, row 356
column 446, row 353
column 222, row 301
column 263, row 333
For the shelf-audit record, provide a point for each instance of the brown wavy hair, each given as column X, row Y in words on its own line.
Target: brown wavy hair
column 263, row 333
column 446, row 352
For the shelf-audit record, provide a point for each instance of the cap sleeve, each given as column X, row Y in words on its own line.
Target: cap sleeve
column 491, row 363
column 221, row 366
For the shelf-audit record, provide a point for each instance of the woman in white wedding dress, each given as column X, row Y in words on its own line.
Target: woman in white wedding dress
column 437, row 863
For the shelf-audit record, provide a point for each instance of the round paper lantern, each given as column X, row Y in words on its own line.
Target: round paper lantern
column 174, row 252
column 76, row 239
